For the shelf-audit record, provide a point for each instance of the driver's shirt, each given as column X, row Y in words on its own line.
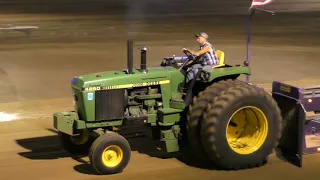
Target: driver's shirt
column 209, row 58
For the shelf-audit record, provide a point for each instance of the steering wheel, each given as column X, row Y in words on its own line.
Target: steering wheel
column 190, row 58
column 189, row 55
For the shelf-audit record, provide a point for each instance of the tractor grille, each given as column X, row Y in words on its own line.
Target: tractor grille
column 110, row 104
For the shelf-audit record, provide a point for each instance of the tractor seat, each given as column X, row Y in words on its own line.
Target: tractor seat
column 220, row 55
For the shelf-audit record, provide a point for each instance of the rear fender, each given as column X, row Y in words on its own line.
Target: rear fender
column 212, row 74
column 207, row 76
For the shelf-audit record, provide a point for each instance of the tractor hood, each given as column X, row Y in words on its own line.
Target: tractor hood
column 120, row 79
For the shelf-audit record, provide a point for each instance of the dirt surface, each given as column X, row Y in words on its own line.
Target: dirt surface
column 30, row 149
column 35, row 74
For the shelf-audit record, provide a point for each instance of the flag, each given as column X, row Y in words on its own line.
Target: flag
column 260, row 3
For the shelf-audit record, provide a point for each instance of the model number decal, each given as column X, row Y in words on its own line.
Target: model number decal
column 123, row 86
column 92, row 89
column 146, row 84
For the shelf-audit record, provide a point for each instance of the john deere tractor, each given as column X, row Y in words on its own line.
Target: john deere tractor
column 232, row 123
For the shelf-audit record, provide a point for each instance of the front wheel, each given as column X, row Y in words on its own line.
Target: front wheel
column 241, row 128
column 110, row 154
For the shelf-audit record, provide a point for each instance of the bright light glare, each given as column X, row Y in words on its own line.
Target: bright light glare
column 4, row 117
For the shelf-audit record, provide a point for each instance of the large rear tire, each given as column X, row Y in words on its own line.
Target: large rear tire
column 241, row 128
column 196, row 109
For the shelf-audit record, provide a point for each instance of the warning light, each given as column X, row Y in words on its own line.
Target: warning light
column 309, row 100
column 73, row 80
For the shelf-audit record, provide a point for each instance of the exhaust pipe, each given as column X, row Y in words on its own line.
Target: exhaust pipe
column 143, row 64
column 130, row 56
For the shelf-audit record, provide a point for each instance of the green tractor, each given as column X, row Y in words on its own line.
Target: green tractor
column 235, row 124
column 232, row 123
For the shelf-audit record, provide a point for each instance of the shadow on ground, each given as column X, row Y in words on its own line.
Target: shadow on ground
column 48, row 148
column 42, row 148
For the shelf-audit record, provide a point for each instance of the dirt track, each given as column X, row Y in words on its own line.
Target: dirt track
column 30, row 150
column 35, row 79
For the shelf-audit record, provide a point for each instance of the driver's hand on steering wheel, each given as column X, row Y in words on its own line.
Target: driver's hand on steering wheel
column 188, row 63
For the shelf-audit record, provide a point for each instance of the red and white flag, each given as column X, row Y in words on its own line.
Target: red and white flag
column 260, row 3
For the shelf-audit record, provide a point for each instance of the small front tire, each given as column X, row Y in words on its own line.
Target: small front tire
column 110, row 154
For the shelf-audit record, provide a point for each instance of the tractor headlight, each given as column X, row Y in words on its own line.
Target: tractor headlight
column 204, row 76
column 207, row 76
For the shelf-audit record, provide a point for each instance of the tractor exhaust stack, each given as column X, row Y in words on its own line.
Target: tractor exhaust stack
column 130, row 56
column 143, row 63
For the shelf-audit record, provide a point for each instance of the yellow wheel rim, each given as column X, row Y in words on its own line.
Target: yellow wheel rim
column 247, row 130
column 112, row 156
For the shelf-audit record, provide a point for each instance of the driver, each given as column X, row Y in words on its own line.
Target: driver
column 206, row 56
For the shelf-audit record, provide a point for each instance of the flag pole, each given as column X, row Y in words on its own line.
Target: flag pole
column 248, row 43
column 253, row 8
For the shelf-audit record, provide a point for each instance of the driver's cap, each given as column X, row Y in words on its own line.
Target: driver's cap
column 202, row 34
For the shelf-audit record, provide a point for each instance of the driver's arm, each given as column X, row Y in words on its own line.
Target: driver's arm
column 204, row 50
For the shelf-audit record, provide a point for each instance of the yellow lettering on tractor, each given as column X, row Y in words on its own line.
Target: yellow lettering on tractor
column 123, row 86
column 92, row 89
column 137, row 85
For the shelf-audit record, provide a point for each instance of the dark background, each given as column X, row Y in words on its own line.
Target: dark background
column 88, row 36
column 148, row 6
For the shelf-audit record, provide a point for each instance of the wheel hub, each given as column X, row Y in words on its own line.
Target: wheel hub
column 247, row 130
column 112, row 156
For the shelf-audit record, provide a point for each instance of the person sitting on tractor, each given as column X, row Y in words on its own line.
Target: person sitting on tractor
column 206, row 56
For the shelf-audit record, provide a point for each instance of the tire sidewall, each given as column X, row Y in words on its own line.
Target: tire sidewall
column 205, row 97
column 97, row 155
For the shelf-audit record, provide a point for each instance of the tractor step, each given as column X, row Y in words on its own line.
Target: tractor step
column 177, row 103
column 177, row 100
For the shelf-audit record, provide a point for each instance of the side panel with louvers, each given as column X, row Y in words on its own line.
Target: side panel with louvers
column 109, row 104
column 79, row 104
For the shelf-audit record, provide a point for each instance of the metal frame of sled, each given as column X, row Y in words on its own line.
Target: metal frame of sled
column 301, row 135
